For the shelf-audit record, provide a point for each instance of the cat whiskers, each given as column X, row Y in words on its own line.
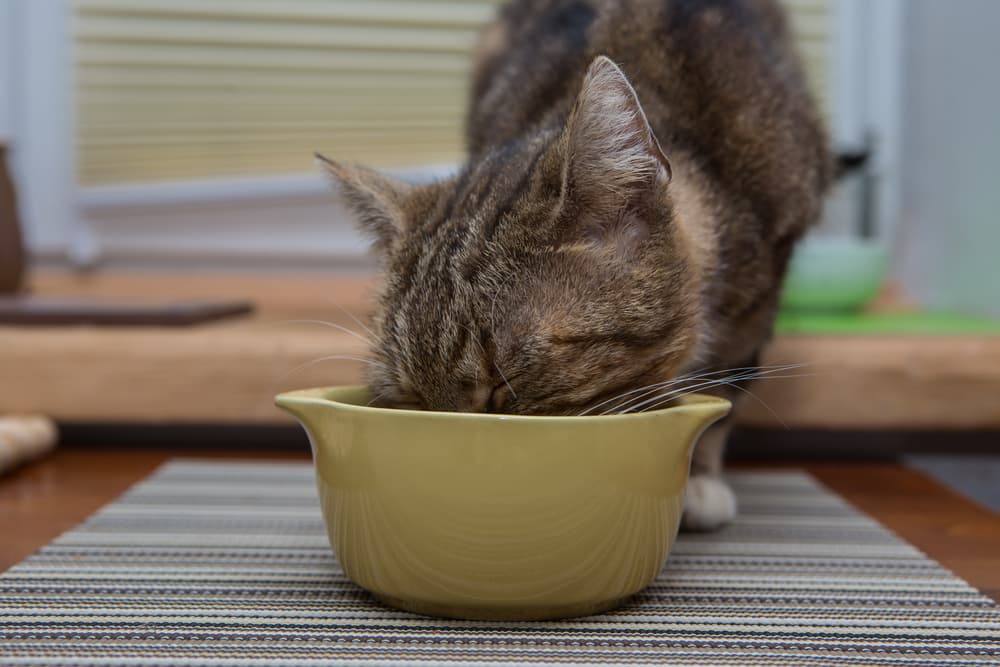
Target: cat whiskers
column 338, row 327
column 354, row 318
column 509, row 388
column 639, row 402
column 730, row 381
column 681, row 393
column 762, row 402
column 673, row 394
column 378, row 397
column 705, row 380
column 651, row 388
column 332, row 357
column 642, row 391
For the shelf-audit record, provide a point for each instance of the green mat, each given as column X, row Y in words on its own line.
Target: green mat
column 921, row 323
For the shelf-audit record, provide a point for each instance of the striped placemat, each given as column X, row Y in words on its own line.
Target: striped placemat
column 227, row 564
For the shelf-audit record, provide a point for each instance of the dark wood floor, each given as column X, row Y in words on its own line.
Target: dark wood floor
column 40, row 501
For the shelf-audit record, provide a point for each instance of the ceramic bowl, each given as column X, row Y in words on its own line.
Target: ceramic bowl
column 834, row 275
column 485, row 516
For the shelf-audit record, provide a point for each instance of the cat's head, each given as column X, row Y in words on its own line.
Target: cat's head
column 549, row 275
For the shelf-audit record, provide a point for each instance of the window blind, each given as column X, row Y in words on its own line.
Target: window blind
column 180, row 90
column 813, row 25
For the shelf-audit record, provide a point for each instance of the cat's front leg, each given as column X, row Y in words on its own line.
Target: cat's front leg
column 709, row 503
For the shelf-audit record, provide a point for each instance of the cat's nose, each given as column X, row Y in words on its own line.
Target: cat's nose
column 485, row 398
column 479, row 399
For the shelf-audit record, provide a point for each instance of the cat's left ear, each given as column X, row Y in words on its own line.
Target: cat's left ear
column 377, row 200
column 611, row 146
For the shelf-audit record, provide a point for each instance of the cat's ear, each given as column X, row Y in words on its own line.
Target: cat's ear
column 377, row 200
column 611, row 146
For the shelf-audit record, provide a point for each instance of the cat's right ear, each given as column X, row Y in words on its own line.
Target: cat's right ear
column 377, row 200
column 612, row 147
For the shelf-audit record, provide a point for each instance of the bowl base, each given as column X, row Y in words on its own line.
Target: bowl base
column 521, row 613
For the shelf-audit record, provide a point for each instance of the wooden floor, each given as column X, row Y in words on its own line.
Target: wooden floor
column 42, row 500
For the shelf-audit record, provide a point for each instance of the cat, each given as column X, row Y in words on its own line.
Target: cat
column 638, row 174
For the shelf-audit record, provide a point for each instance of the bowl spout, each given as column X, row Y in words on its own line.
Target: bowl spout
column 698, row 413
column 308, row 406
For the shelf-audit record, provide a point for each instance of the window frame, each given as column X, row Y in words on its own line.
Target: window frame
column 295, row 220
column 41, row 116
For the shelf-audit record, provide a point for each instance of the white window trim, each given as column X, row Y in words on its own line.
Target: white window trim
column 41, row 122
column 866, row 89
column 296, row 218
column 282, row 219
column 6, row 70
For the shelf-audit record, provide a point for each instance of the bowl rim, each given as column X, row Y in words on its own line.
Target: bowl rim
column 320, row 396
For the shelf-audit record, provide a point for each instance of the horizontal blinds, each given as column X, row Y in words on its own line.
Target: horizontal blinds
column 189, row 89
column 813, row 25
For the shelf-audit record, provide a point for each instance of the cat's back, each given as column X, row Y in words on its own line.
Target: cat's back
column 718, row 79
column 678, row 54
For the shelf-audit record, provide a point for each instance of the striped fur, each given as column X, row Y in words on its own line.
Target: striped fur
column 639, row 171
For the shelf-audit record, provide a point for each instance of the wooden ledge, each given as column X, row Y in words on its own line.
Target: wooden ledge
column 228, row 372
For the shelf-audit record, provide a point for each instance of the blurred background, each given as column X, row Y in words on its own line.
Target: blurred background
column 162, row 150
column 156, row 133
column 150, row 134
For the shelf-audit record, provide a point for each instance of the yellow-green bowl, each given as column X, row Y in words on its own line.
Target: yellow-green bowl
column 485, row 516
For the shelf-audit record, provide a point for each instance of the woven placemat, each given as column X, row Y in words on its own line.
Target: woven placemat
column 228, row 563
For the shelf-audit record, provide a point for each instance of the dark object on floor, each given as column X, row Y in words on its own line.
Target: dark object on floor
column 12, row 258
column 975, row 477
column 52, row 311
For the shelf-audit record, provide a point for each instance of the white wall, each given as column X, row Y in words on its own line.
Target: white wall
column 949, row 241
column 36, row 118
column 43, row 144
column 6, row 69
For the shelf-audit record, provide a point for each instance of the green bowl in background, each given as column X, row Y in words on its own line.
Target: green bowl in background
column 840, row 275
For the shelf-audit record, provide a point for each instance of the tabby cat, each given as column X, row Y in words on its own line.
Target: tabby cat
column 639, row 171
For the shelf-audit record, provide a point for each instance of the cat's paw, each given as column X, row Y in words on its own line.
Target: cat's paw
column 709, row 504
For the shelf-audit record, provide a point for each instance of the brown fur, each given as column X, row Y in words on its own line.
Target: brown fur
column 612, row 227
